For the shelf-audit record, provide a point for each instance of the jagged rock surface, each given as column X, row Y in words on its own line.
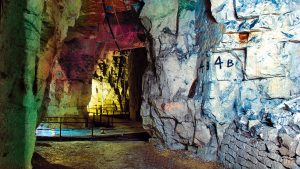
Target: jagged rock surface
column 220, row 63
column 28, row 49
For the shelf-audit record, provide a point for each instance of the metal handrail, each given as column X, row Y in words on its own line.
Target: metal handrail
column 60, row 122
column 60, row 126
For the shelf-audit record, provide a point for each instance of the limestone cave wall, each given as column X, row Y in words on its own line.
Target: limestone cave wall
column 214, row 64
column 264, row 44
column 110, row 84
column 71, row 83
column 31, row 36
column 19, row 43
column 182, row 33
column 58, row 16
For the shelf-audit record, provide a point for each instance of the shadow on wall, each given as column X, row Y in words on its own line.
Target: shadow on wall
column 39, row 162
column 137, row 65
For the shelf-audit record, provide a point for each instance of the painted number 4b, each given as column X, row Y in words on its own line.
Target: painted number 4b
column 219, row 63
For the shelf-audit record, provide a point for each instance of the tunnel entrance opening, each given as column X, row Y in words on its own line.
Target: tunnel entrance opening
column 110, row 95
column 114, row 107
column 114, row 104
column 117, row 84
column 97, row 79
column 115, row 101
column 117, row 88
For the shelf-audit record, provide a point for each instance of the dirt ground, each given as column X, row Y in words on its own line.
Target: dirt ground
column 112, row 155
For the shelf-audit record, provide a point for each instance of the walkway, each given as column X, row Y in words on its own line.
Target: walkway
column 105, row 150
column 112, row 155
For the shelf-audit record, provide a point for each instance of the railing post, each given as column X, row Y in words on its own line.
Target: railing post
column 107, row 118
column 93, row 125
column 60, row 129
column 112, row 120
column 86, row 122
column 100, row 118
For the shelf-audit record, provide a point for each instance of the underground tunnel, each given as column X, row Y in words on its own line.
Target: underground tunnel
column 149, row 84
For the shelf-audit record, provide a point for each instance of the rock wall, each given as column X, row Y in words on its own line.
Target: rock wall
column 259, row 78
column 173, row 96
column 270, row 148
column 110, row 84
column 71, row 83
column 20, row 26
column 58, row 16
column 28, row 48
column 168, row 112
column 219, row 63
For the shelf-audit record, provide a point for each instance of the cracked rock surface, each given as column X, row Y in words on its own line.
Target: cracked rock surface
column 222, row 63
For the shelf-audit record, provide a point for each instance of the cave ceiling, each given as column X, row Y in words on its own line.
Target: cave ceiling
column 111, row 24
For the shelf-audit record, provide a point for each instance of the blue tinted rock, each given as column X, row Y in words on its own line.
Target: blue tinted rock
column 254, row 8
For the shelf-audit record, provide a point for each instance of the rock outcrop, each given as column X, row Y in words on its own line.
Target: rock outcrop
column 219, row 63
column 28, row 49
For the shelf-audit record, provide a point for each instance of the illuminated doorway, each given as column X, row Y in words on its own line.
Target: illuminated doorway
column 117, row 86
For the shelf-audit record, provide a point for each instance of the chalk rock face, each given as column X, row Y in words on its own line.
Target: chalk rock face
column 170, row 110
column 161, row 14
column 70, row 87
column 234, row 61
column 268, row 92
column 267, row 33
column 31, row 35
column 57, row 18
column 249, row 9
column 168, row 87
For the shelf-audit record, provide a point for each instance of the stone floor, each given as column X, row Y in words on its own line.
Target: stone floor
column 112, row 155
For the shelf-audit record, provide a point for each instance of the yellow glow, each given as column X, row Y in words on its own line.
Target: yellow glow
column 102, row 94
